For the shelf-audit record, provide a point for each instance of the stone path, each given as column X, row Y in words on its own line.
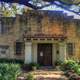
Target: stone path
column 49, row 75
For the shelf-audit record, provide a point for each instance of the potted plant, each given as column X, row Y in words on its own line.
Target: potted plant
column 34, row 66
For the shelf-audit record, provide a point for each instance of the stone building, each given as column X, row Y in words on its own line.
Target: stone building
column 40, row 36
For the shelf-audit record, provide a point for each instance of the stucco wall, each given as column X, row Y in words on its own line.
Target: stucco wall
column 10, row 38
column 55, row 27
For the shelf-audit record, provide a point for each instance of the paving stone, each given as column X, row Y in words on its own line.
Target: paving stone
column 49, row 75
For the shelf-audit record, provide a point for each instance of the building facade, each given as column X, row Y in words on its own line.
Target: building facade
column 40, row 36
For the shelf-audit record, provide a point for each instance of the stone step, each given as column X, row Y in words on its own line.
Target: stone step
column 49, row 75
column 48, row 78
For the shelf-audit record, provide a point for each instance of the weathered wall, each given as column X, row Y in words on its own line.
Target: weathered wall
column 47, row 27
column 9, row 39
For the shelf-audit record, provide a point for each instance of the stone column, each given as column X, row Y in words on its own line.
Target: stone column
column 34, row 54
column 11, row 51
column 53, row 54
column 28, row 52
column 62, row 50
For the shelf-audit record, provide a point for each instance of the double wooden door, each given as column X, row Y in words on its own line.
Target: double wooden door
column 45, row 54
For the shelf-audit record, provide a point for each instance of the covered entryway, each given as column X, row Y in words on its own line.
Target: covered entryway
column 44, row 55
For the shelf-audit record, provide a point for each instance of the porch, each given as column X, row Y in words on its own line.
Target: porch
column 44, row 52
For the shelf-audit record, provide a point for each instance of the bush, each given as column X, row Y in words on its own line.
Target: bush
column 77, row 69
column 34, row 65
column 29, row 67
column 3, row 60
column 30, row 77
column 9, row 71
column 58, row 62
column 71, row 65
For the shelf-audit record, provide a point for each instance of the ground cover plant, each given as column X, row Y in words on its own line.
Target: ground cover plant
column 71, row 65
column 9, row 71
column 71, row 69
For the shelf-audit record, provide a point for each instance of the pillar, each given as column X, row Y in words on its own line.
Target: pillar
column 28, row 52
column 62, row 50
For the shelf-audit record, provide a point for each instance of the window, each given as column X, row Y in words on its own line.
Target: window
column 3, row 49
column 3, row 26
column 6, row 24
column 70, row 48
column 19, row 47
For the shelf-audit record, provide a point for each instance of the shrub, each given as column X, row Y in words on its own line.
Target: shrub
column 58, row 62
column 34, row 65
column 9, row 71
column 3, row 60
column 71, row 65
column 29, row 67
column 77, row 69
column 30, row 77
column 11, row 61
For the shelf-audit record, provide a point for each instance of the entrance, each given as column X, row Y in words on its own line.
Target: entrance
column 45, row 54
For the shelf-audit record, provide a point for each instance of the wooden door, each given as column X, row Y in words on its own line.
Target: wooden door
column 45, row 54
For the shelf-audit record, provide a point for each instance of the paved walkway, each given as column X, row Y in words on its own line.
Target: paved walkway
column 49, row 75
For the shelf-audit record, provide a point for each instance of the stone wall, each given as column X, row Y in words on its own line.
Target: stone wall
column 10, row 38
column 47, row 25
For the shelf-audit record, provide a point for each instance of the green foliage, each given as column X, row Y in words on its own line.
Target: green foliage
column 9, row 71
column 58, row 62
column 68, row 64
column 67, row 1
column 34, row 65
column 30, row 77
column 3, row 60
column 71, row 1
column 71, row 65
column 77, row 69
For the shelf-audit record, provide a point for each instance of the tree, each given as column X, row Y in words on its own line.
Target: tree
column 76, row 2
column 12, row 10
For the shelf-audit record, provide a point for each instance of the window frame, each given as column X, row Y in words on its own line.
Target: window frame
column 3, row 49
column 5, row 25
column 70, row 48
column 22, row 48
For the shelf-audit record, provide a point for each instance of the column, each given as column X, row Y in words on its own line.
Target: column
column 53, row 54
column 34, row 54
column 62, row 49
column 28, row 52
